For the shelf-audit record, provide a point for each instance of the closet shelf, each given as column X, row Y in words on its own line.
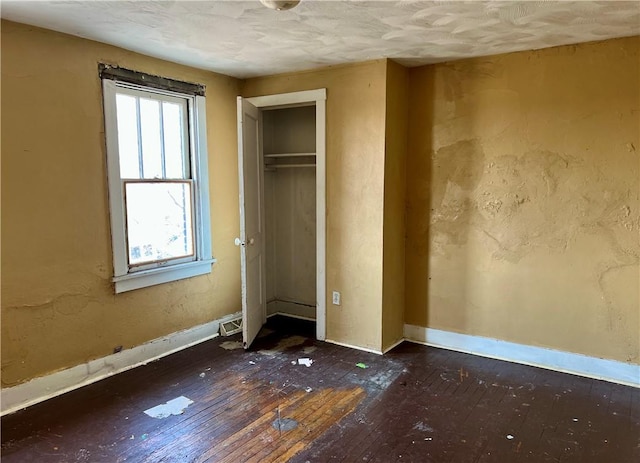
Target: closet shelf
column 280, row 166
column 287, row 155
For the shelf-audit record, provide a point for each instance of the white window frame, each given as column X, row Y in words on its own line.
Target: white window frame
column 127, row 279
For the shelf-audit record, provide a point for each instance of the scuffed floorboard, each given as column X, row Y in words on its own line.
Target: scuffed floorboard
column 415, row 404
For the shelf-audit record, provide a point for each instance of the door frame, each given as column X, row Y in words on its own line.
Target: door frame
column 308, row 98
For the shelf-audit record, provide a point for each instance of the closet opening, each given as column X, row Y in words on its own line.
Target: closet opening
column 283, row 212
column 289, row 155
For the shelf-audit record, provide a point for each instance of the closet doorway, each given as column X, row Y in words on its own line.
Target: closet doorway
column 282, row 176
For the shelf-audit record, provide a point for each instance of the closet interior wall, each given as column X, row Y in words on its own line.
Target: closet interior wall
column 290, row 210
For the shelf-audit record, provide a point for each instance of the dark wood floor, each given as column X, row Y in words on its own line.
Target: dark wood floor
column 415, row 404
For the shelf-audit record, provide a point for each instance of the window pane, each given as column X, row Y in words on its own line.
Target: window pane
column 174, row 137
column 151, row 141
column 159, row 221
column 127, row 136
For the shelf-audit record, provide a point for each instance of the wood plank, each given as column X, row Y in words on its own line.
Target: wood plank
column 416, row 403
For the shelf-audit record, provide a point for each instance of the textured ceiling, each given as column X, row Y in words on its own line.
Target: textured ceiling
column 245, row 39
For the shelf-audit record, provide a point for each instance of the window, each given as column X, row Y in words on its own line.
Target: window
column 157, row 175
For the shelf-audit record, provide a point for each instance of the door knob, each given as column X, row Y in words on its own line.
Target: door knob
column 251, row 241
column 238, row 242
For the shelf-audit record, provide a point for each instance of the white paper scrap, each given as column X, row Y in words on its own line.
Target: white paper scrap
column 173, row 407
column 305, row 361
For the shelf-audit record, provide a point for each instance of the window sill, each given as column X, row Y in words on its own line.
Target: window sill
column 161, row 275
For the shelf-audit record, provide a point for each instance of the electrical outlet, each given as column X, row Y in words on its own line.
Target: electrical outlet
column 336, row 298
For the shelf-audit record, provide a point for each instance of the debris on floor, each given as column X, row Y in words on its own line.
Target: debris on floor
column 421, row 426
column 305, row 361
column 173, row 407
column 308, row 389
column 251, row 362
column 509, row 436
column 361, row 365
column 202, row 375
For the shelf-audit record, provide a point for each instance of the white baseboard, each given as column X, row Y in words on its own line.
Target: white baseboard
column 45, row 387
column 297, row 317
column 291, row 308
column 550, row 359
column 350, row 346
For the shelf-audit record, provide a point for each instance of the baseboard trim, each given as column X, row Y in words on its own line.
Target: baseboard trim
column 290, row 315
column 550, row 359
column 395, row 344
column 350, row 346
column 279, row 306
column 46, row 387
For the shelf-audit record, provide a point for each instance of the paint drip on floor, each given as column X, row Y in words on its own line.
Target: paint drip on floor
column 175, row 406
column 284, row 424
column 231, row 345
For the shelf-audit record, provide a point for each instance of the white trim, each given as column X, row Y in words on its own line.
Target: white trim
column 308, row 97
column 550, row 359
column 292, row 98
column 116, row 197
column 304, row 311
column 351, row 346
column 124, row 278
column 290, row 315
column 321, row 217
column 161, row 275
column 200, row 162
column 46, row 387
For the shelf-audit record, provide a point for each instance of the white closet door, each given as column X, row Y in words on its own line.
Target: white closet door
column 251, row 240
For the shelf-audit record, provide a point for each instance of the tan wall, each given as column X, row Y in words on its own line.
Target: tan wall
column 393, row 300
column 58, row 304
column 355, row 184
column 523, row 198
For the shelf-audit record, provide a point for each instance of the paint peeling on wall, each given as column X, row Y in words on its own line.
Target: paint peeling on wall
column 497, row 201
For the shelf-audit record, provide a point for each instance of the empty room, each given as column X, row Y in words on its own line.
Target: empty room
column 320, row 231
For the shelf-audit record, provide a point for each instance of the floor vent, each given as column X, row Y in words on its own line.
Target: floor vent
column 231, row 327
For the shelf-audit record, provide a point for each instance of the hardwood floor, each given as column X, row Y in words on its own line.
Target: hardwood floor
column 414, row 404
